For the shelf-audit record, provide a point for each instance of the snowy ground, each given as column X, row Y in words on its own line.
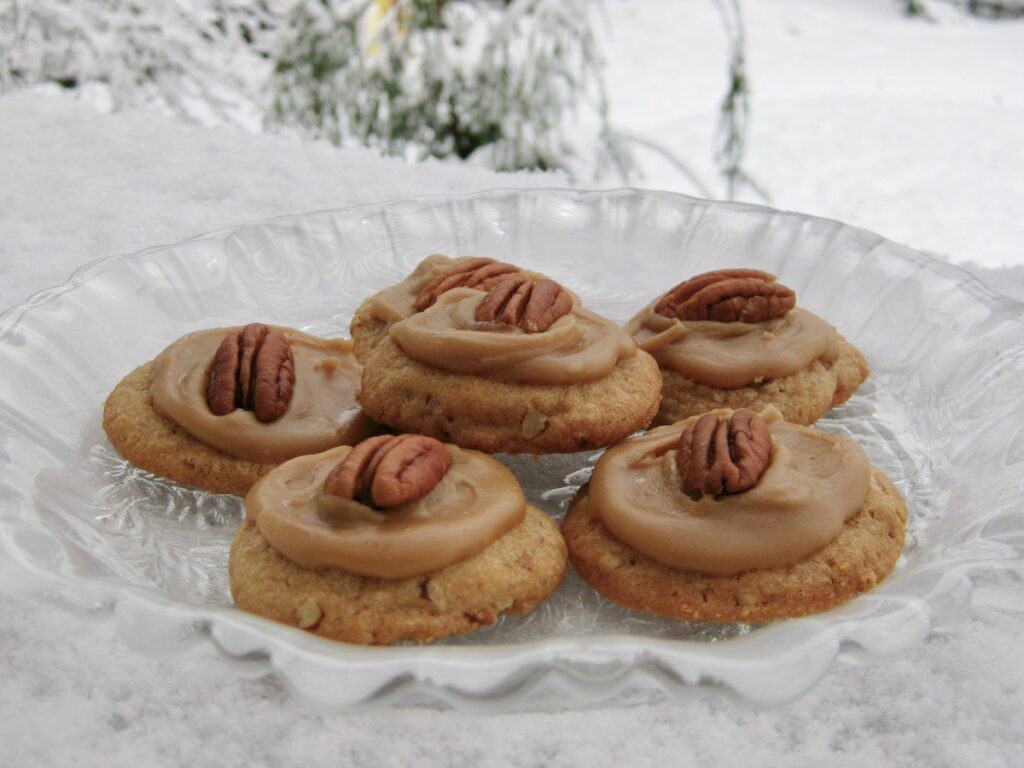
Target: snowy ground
column 911, row 129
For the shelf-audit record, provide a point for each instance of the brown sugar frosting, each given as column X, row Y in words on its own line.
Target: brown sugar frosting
column 813, row 484
column 476, row 501
column 322, row 414
column 580, row 346
column 399, row 301
column 733, row 354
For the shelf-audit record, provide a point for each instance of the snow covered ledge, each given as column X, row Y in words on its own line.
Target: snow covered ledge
column 78, row 185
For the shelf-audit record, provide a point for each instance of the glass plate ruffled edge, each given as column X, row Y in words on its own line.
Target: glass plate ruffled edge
column 772, row 666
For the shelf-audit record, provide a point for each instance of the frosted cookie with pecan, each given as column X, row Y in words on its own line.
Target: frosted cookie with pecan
column 219, row 408
column 734, row 338
column 735, row 516
column 432, row 277
column 398, row 538
column 522, row 368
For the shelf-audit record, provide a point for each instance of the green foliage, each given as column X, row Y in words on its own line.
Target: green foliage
column 200, row 59
column 440, row 78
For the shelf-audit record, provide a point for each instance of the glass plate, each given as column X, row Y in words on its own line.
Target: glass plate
column 80, row 524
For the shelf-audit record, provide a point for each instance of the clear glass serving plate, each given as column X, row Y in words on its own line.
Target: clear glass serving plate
column 942, row 413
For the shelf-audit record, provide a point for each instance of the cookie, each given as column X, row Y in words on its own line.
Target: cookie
column 513, row 575
column 802, row 397
column 509, row 417
column 734, row 338
column 854, row 562
column 367, row 331
column 735, row 516
column 187, row 417
column 157, row 445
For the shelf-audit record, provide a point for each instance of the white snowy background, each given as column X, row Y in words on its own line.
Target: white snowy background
column 911, row 128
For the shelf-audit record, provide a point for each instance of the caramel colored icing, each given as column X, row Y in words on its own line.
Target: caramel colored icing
column 580, row 346
column 322, row 414
column 477, row 501
column 732, row 355
column 814, row 483
column 396, row 303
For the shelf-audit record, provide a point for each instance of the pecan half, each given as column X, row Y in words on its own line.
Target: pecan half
column 252, row 369
column 728, row 296
column 472, row 273
column 385, row 471
column 717, row 456
column 532, row 305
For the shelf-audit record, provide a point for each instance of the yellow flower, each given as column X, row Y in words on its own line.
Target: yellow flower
column 376, row 15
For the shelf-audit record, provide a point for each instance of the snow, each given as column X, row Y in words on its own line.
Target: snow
column 527, row 71
column 923, row 146
column 908, row 128
column 198, row 59
column 67, row 171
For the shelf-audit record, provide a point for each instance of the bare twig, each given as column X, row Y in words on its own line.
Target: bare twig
column 734, row 113
column 673, row 159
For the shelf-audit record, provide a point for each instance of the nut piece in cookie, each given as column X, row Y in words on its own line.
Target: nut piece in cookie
column 396, row 538
column 735, row 516
column 420, row 290
column 519, row 368
column 734, row 338
column 217, row 409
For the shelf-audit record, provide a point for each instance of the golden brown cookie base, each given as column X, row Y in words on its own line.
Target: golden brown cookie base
column 366, row 332
column 859, row 558
column 495, row 416
column 803, row 398
column 513, row 575
column 157, row 445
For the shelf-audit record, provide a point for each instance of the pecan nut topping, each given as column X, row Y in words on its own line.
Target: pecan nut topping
column 531, row 305
column 472, row 273
column 386, row 470
column 718, row 456
column 728, row 296
column 253, row 369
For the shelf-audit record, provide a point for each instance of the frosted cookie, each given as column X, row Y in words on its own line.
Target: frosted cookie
column 399, row 538
column 522, row 368
column 733, row 517
column 734, row 338
column 220, row 408
column 432, row 277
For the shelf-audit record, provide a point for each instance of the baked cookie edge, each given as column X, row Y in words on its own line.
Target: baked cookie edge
column 863, row 554
column 157, row 445
column 498, row 417
column 514, row 574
